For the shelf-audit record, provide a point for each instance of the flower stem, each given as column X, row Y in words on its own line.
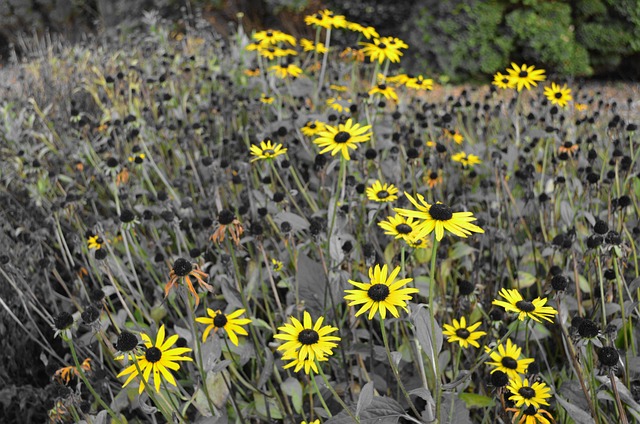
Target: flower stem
column 385, row 340
column 432, row 321
column 335, row 395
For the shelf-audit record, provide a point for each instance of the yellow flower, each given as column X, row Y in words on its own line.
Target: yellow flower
column 525, row 393
column 272, row 52
column 273, row 36
column 267, row 150
column 400, row 227
column 386, row 90
column 466, row 160
column 326, row 19
column 342, row 138
column 581, row 106
column 463, row 334
column 158, row 358
column 382, row 193
column 306, row 342
column 369, row 32
column 266, row 99
column 384, row 48
column 312, row 128
column 500, row 80
column 524, row 76
column 419, row 83
column 383, row 293
column 231, row 323
column 95, row 242
column 310, row 46
column 284, row 71
column 438, row 218
column 276, row 265
column 337, row 104
column 508, row 360
column 535, row 309
column 252, row 72
column 531, row 415
column 558, row 95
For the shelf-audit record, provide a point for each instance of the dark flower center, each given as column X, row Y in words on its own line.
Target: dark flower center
column 382, row 86
column 268, row 152
column 226, row 217
column 403, row 229
column 126, row 342
column 153, row 354
column 342, row 137
column 182, row 267
column 220, row 320
column 505, row 80
column 523, row 74
column 382, row 194
column 382, row 46
column 558, row 95
column 440, row 212
column 526, row 392
column 433, row 176
column 525, row 306
column 63, row 321
column 509, row 362
column 269, row 34
column 378, row 292
column 308, row 337
column 531, row 410
column 463, row 333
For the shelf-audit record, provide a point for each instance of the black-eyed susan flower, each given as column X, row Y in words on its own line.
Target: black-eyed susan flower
column 382, row 193
column 184, row 270
column 399, row 79
column 326, row 19
column 383, row 293
column 382, row 49
column 228, row 222
column 271, row 52
column 535, row 309
column 311, row 422
column 312, row 128
column 368, row 32
column 310, row 46
column 286, row 70
column 524, row 76
column 231, row 323
column 276, row 265
column 65, row 374
column 500, row 80
column 95, row 242
column 568, row 148
column 466, row 160
column 528, row 393
column 438, row 218
column 531, row 415
column 580, row 107
column 463, row 334
column 267, row 150
column 419, row 83
column 138, row 158
column 433, row 178
column 305, row 343
column 400, row 227
column 557, row 95
column 508, row 359
column 273, row 36
column 455, row 136
column 341, row 138
column 63, row 324
column 252, row 72
column 266, row 99
column 337, row 103
column 158, row 359
column 387, row 91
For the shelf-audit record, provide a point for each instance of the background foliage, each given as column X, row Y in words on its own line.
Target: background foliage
column 460, row 39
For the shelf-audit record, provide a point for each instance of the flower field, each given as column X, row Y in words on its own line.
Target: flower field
column 265, row 228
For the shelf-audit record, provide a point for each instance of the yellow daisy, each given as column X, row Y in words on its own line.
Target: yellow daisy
column 382, row 193
column 382, row 293
column 267, row 150
column 400, row 227
column 342, row 138
column 507, row 358
column 231, row 324
column 524, row 76
column 463, row 334
column 557, row 95
column 525, row 393
column 158, row 358
column 535, row 309
column 439, row 217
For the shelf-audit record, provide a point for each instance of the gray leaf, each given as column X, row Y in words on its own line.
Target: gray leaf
column 576, row 413
column 365, row 398
column 382, row 410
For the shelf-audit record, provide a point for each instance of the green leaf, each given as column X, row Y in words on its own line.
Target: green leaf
column 381, row 410
column 261, row 404
column 292, row 387
column 473, row 400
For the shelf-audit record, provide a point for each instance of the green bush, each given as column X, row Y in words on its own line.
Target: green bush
column 472, row 39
